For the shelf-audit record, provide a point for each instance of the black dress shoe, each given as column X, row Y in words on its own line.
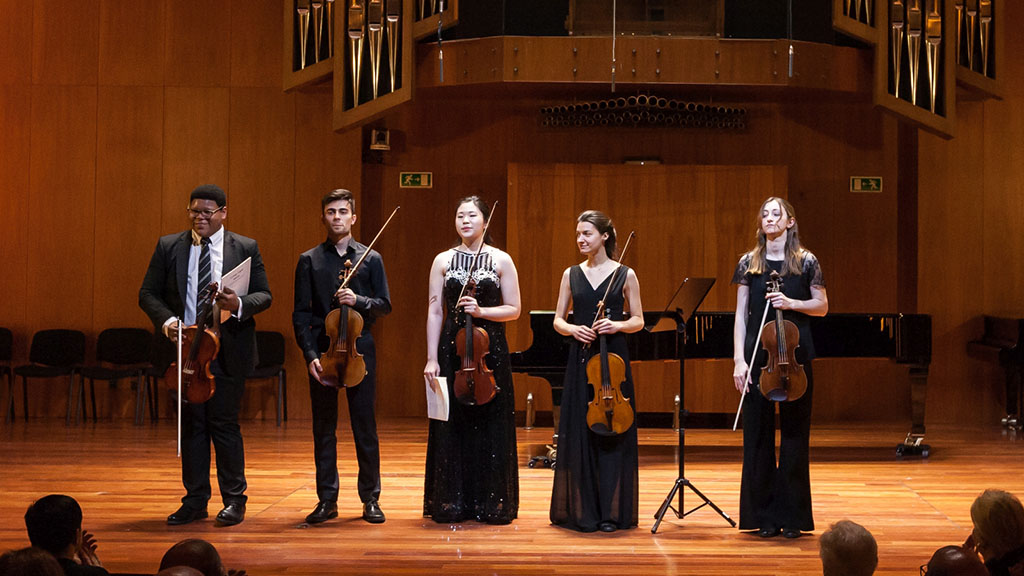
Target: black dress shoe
column 768, row 532
column 186, row 514
column 323, row 512
column 607, row 527
column 232, row 514
column 790, row 533
column 372, row 512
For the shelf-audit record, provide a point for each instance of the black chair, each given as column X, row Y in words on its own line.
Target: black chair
column 6, row 353
column 163, row 354
column 53, row 353
column 270, row 349
column 120, row 353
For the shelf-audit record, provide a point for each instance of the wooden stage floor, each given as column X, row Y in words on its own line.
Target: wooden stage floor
column 127, row 479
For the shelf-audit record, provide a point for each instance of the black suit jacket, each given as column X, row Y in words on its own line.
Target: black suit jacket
column 163, row 295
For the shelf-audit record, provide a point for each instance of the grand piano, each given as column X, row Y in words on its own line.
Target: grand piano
column 904, row 338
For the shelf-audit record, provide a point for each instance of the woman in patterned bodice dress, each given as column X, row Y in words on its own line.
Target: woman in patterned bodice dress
column 472, row 467
column 595, row 485
column 775, row 497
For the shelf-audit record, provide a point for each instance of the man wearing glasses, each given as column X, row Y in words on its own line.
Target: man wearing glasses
column 182, row 266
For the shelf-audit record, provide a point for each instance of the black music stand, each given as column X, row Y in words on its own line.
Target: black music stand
column 680, row 309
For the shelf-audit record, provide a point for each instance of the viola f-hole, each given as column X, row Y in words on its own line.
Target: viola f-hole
column 343, row 366
column 782, row 377
column 474, row 383
column 203, row 342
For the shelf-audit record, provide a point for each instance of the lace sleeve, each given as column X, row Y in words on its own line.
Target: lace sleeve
column 740, row 275
column 812, row 269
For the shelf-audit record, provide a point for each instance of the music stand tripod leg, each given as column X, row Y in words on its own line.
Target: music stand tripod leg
column 682, row 481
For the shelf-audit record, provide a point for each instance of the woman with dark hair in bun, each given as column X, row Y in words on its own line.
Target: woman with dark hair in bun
column 472, row 467
column 595, row 485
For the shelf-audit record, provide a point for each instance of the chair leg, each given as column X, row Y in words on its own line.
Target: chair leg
column 284, row 395
column 72, row 401
column 153, row 390
column 10, row 397
column 24, row 396
column 92, row 397
column 280, row 391
column 140, row 398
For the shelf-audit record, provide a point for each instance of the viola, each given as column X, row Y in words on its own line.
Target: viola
column 782, row 377
column 343, row 365
column 474, row 381
column 609, row 413
column 203, row 342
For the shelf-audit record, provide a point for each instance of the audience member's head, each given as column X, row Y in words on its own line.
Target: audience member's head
column 848, row 549
column 998, row 519
column 179, row 571
column 54, row 523
column 194, row 553
column 29, row 562
column 955, row 561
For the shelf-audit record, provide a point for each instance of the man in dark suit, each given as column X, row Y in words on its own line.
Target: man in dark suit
column 316, row 294
column 181, row 267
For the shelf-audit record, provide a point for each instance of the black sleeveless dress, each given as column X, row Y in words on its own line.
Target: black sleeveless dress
column 472, row 468
column 596, row 477
column 777, row 495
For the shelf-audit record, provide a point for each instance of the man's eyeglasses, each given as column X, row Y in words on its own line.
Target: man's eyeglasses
column 924, row 569
column 204, row 213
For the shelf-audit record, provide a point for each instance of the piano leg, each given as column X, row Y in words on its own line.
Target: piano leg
column 913, row 444
column 1013, row 397
column 547, row 460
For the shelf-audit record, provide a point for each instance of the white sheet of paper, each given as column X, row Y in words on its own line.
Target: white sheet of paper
column 437, row 399
column 238, row 280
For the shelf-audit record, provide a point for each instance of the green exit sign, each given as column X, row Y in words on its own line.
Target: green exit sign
column 416, row 180
column 865, row 184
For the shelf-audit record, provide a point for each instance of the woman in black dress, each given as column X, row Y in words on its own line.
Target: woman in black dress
column 595, row 485
column 776, row 498
column 472, row 468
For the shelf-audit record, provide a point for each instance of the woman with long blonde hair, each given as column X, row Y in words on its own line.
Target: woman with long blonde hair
column 775, row 497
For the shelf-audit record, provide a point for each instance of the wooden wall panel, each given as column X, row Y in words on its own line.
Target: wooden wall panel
column 827, row 144
column 323, row 161
column 15, row 142
column 195, row 148
column 683, row 215
column 131, row 43
column 950, row 270
column 65, row 41
column 197, row 50
column 16, row 42
column 50, row 149
column 128, row 186
column 61, row 206
column 821, row 143
column 256, row 49
column 970, row 257
column 1003, row 253
column 424, row 227
column 261, row 176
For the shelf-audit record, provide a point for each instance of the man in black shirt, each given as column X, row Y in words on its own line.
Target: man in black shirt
column 317, row 292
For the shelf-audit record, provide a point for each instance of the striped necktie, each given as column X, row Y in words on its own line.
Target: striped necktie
column 205, row 272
